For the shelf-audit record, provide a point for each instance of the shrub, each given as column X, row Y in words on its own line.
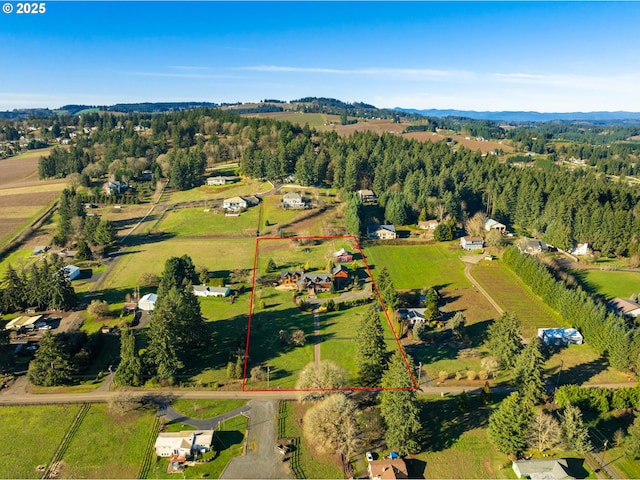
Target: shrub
column 459, row 375
column 483, row 375
column 443, row 375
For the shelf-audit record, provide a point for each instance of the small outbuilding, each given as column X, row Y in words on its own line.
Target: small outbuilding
column 148, row 302
column 72, row 271
column 552, row 469
column 624, row 308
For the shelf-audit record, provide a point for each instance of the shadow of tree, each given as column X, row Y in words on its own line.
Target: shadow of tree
column 445, row 420
column 578, row 374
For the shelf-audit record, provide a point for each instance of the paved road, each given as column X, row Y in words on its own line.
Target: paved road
column 172, row 415
column 261, row 459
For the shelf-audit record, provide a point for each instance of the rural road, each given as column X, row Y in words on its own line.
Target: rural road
column 261, row 459
column 172, row 415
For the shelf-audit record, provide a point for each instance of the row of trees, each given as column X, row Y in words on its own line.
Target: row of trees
column 606, row 332
column 43, row 285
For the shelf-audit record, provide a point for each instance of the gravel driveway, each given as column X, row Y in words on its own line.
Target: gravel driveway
column 261, row 459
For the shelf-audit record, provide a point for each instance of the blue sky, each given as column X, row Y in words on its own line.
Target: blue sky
column 540, row 56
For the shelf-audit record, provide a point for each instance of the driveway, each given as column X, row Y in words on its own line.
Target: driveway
column 261, row 459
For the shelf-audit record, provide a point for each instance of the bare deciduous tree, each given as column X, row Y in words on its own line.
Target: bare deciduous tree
column 331, row 425
column 544, row 432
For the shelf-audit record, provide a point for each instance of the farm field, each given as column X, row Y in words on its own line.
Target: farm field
column 107, row 445
column 465, row 140
column 216, row 254
column 46, row 427
column 195, row 222
column 21, row 168
column 515, row 297
column 275, row 214
column 609, row 283
column 580, row 363
column 419, row 266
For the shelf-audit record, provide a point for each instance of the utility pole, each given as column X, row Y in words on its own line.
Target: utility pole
column 559, row 372
column 268, row 371
column 419, row 374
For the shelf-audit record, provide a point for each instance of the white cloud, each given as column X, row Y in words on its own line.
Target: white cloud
column 407, row 73
column 185, row 75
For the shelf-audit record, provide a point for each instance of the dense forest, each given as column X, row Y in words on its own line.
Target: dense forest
column 415, row 180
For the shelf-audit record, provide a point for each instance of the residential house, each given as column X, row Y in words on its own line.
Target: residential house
column 624, row 308
column 293, row 200
column 581, row 249
column 413, row 315
column 316, row 282
column 342, row 256
column 387, row 469
column 71, row 271
column 367, row 196
column 552, row 469
column 560, row 336
column 472, row 243
column 428, row 224
column 207, row 291
column 235, row 204
column 492, row 224
column 221, row 180
column 114, row 187
column 340, row 276
column 381, row 232
column 148, row 302
column 533, row 247
column 183, row 444
column 290, row 278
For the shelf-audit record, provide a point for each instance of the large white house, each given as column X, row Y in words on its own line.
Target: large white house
column 183, row 443
column 472, row 243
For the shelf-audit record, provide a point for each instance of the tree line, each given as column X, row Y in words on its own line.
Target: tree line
column 605, row 331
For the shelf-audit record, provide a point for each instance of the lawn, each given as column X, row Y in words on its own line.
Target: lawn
column 609, row 283
column 195, row 222
column 108, row 445
column 17, row 259
column 228, row 443
column 306, row 461
column 275, row 214
column 418, row 266
column 37, row 431
column 246, row 186
column 203, row 409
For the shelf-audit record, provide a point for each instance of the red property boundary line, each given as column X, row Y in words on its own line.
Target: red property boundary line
column 373, row 283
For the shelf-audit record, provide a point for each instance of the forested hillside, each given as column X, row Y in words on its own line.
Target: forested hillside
column 414, row 179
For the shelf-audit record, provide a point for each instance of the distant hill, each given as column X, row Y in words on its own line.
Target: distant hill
column 521, row 116
column 145, row 107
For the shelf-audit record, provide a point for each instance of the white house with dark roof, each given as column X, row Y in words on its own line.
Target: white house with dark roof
column 381, row 232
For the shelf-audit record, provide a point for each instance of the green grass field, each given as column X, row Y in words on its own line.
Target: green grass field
column 245, row 187
column 419, row 266
column 273, row 213
column 195, row 222
column 203, row 409
column 609, row 283
column 17, row 259
column 216, row 254
column 108, row 446
column 38, row 431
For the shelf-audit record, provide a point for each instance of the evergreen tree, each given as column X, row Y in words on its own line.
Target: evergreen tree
column 575, row 435
column 504, row 341
column 528, row 371
column 632, row 440
column 370, row 348
column 83, row 252
column 105, row 233
column 129, row 370
column 177, row 273
column 457, row 325
column 508, row 425
column 51, row 364
column 13, row 293
column 399, row 408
